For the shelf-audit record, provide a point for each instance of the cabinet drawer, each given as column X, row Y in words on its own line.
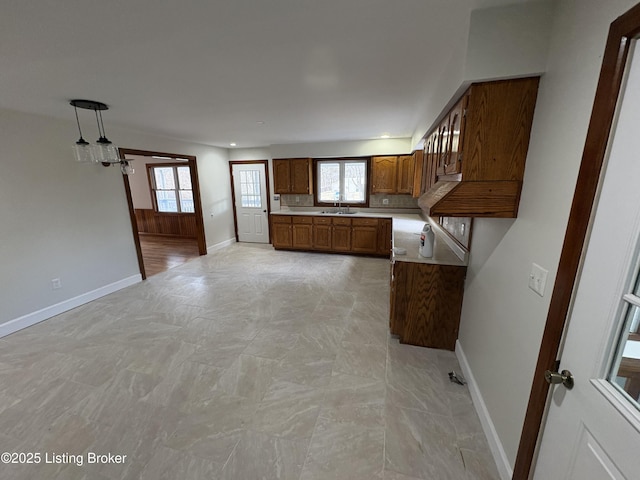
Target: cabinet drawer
column 365, row 222
column 322, row 220
column 341, row 221
column 281, row 219
column 303, row 220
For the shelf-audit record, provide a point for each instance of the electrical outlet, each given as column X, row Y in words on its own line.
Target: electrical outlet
column 56, row 284
column 385, row 201
column 538, row 279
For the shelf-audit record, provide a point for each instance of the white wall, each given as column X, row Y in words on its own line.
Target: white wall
column 64, row 220
column 502, row 320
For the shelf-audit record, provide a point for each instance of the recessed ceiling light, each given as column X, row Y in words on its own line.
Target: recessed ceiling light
column 260, row 122
column 232, row 144
column 385, row 135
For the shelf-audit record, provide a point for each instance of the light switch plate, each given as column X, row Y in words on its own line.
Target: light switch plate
column 538, row 279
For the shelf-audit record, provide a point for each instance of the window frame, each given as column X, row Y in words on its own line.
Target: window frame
column 152, row 186
column 316, row 181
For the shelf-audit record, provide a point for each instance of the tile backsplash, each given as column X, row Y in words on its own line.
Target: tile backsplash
column 375, row 201
column 459, row 228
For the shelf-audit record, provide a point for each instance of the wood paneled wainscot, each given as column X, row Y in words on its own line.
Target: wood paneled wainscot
column 158, row 223
column 426, row 302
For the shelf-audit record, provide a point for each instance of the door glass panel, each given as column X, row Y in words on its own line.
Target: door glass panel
column 250, row 194
column 625, row 371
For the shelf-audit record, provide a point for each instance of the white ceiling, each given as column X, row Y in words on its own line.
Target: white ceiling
column 208, row 71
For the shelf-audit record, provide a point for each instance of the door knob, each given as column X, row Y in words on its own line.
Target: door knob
column 554, row 378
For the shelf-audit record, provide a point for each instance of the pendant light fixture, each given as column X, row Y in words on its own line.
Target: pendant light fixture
column 103, row 151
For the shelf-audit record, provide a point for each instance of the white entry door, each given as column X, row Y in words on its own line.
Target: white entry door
column 592, row 431
column 250, row 192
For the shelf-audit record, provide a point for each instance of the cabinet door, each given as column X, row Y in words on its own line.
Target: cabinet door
column 444, row 144
column 405, row 174
column 302, row 232
column 300, row 176
column 322, row 237
column 384, row 236
column 341, row 234
column 364, row 235
column 458, row 120
column 384, row 174
column 418, row 173
column 281, row 231
column 281, row 176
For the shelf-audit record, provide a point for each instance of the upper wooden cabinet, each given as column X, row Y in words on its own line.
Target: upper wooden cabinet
column 293, row 176
column 392, row 174
column 384, row 174
column 479, row 150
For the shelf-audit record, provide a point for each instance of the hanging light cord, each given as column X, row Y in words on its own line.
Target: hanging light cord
column 78, row 122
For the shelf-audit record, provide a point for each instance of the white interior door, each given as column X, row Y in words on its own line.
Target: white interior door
column 593, row 430
column 250, row 191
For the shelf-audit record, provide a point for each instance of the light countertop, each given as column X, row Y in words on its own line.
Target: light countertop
column 406, row 235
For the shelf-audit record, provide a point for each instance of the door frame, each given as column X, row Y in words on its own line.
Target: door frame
column 621, row 33
column 233, row 191
column 195, row 185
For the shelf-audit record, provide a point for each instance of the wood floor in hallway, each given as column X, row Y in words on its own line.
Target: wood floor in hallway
column 162, row 252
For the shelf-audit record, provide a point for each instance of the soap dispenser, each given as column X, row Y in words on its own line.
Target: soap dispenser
column 426, row 241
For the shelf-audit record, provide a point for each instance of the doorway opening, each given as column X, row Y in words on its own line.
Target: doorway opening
column 165, row 209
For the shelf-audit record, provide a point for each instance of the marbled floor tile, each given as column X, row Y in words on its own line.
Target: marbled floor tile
column 272, row 343
column 391, row 475
column 352, row 399
column 248, row 376
column 320, row 337
column 168, row 464
column 288, row 410
column 261, row 456
column 212, row 326
column 219, row 351
column 410, row 387
column 186, row 386
column 157, row 356
column 361, row 360
column 363, row 330
column 422, row 445
column 330, row 315
column 469, row 432
column 344, row 451
column 306, row 366
column 479, row 466
column 213, row 430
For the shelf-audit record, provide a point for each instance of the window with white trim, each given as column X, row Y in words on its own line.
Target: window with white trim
column 171, row 188
column 341, row 181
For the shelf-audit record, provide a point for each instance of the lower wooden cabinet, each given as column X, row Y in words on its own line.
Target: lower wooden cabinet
column 302, row 235
column 332, row 234
column 281, row 231
column 426, row 302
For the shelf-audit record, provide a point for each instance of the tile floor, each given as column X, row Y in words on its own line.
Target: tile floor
column 244, row 364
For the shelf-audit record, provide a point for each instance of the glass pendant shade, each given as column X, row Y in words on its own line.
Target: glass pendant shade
column 104, row 151
column 82, row 151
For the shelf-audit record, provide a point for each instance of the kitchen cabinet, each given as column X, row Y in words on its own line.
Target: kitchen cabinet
column 341, row 234
column 384, row 236
column 426, row 303
column 293, row 176
column 322, row 227
column 364, row 235
column 418, row 172
column 384, row 174
column 405, row 175
column 480, row 148
column 302, row 232
column 281, row 231
column 392, row 174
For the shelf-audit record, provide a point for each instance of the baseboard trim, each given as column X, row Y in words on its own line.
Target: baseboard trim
column 221, row 245
column 499, row 455
column 29, row 319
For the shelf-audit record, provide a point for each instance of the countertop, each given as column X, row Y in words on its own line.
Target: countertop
column 406, row 235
